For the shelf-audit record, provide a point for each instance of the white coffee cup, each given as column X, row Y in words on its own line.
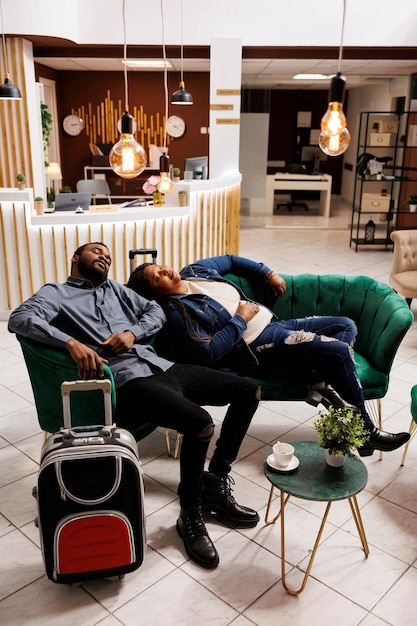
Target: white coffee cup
column 283, row 453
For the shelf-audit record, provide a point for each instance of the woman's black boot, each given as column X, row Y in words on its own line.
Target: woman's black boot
column 322, row 393
column 381, row 440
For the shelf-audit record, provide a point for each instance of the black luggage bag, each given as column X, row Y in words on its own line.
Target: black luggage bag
column 90, row 497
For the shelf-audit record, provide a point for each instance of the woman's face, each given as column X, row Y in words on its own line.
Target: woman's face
column 163, row 280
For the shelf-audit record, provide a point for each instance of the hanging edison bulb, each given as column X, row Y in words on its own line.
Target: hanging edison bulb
column 334, row 138
column 165, row 183
column 127, row 157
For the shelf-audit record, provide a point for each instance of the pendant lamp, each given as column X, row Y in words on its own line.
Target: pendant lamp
column 8, row 91
column 127, row 158
column 182, row 96
column 334, row 138
column 165, row 183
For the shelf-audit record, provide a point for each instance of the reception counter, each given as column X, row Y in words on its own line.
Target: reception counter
column 36, row 249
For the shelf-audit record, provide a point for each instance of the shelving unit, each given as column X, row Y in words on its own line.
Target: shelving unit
column 381, row 198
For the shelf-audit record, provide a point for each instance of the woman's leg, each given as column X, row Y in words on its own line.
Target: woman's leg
column 295, row 347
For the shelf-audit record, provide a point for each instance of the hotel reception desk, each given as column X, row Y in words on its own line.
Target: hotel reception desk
column 37, row 249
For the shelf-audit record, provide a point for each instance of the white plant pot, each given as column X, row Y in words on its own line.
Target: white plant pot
column 333, row 460
column 413, row 208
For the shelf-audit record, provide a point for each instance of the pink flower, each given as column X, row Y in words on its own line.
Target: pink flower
column 149, row 186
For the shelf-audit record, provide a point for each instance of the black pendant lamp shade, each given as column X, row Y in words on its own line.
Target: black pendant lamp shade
column 182, row 96
column 8, row 91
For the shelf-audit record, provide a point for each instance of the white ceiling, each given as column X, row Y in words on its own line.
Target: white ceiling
column 265, row 73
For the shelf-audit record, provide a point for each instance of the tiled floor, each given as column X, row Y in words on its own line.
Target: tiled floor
column 344, row 588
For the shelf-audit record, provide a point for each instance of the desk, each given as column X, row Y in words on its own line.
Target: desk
column 315, row 480
column 300, row 182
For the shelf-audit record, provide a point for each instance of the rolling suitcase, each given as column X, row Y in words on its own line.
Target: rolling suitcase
column 142, row 251
column 90, row 497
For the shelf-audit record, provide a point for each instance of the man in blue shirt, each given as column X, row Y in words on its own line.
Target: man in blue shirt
column 98, row 320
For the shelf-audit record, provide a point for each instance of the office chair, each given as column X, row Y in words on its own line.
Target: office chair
column 95, row 186
column 294, row 168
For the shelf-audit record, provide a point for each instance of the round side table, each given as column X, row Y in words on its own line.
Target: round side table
column 315, row 480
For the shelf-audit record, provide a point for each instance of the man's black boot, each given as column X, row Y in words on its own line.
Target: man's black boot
column 217, row 497
column 198, row 545
column 381, row 440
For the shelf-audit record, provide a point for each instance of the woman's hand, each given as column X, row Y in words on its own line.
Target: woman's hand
column 247, row 310
column 277, row 284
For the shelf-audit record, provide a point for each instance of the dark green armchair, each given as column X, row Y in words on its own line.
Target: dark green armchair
column 48, row 368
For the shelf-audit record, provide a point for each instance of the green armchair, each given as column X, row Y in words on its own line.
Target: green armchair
column 48, row 368
column 382, row 318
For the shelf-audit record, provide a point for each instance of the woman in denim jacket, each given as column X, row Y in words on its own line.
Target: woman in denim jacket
column 215, row 324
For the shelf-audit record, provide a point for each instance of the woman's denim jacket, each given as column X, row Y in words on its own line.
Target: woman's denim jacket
column 220, row 343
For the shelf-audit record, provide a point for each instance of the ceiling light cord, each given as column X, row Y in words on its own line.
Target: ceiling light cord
column 182, row 49
column 6, row 62
column 125, row 57
column 165, row 73
column 341, row 38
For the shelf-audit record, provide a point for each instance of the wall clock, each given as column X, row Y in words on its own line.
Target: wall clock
column 73, row 125
column 175, row 126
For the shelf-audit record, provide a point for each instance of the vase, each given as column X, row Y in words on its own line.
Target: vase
column 158, row 199
column 20, row 185
column 333, row 460
column 182, row 199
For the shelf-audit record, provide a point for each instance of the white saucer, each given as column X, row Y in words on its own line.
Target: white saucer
column 292, row 465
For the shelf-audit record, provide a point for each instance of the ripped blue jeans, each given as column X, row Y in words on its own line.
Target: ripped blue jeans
column 316, row 347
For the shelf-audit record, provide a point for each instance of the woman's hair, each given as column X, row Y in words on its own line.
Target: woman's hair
column 137, row 281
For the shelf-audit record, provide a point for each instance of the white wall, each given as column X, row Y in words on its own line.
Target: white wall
column 266, row 22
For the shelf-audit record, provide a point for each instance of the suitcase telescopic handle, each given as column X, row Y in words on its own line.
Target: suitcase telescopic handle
column 151, row 251
column 86, row 385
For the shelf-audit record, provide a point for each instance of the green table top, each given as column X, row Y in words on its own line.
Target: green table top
column 314, row 479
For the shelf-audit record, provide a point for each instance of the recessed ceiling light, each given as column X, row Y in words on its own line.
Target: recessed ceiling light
column 148, row 64
column 311, row 77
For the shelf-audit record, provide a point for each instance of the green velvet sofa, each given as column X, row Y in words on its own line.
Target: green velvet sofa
column 381, row 315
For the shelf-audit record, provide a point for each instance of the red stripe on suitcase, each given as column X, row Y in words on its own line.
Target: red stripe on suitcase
column 93, row 542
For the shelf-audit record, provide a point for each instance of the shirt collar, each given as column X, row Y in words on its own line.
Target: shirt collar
column 83, row 283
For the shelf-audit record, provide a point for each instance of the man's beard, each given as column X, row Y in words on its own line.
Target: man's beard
column 95, row 274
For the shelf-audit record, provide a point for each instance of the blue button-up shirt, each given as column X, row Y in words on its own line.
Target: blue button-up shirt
column 76, row 309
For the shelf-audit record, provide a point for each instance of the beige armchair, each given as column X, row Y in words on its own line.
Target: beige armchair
column 403, row 275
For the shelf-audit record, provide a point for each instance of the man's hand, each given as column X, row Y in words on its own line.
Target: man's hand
column 89, row 363
column 119, row 343
column 247, row 310
column 278, row 285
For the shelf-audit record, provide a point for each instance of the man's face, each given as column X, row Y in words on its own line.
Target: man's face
column 93, row 263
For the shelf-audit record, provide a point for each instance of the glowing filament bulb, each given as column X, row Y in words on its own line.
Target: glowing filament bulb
column 334, row 138
column 165, row 183
column 127, row 157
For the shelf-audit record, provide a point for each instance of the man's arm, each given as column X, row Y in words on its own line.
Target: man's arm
column 33, row 319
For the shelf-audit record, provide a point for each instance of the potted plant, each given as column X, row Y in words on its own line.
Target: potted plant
column 182, row 198
column 50, row 198
column 412, row 202
column 20, row 181
column 176, row 173
column 39, row 205
column 341, row 432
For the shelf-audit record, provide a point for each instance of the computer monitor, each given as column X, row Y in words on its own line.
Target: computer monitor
column 198, row 166
column 312, row 157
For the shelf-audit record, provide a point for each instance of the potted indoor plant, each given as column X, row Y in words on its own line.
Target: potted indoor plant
column 341, row 432
column 39, row 205
column 412, row 202
column 20, row 181
column 176, row 173
column 182, row 197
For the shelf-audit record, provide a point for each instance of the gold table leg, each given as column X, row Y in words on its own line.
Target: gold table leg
column 283, row 500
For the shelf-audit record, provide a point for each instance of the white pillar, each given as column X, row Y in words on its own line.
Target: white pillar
column 225, row 87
